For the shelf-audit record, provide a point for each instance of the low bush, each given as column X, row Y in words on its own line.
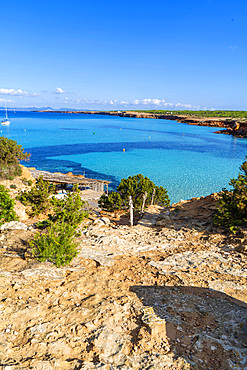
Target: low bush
column 38, row 197
column 71, row 209
column 134, row 186
column 7, row 212
column 113, row 202
column 10, row 154
column 56, row 244
column 27, row 182
column 232, row 205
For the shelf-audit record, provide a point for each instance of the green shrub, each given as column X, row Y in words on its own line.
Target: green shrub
column 232, row 205
column 113, row 202
column 134, row 186
column 38, row 197
column 10, row 154
column 71, row 209
column 27, row 182
column 13, row 186
column 7, row 212
column 161, row 197
column 201, row 113
column 56, row 244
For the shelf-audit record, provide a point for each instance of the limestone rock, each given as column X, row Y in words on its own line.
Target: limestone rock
column 169, row 296
column 13, row 225
column 20, row 210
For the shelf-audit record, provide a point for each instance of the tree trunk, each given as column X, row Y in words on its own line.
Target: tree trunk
column 143, row 202
column 153, row 194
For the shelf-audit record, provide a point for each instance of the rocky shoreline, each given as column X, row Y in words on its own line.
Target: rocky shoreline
column 234, row 127
column 168, row 293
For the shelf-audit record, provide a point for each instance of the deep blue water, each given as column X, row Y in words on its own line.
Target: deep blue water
column 187, row 160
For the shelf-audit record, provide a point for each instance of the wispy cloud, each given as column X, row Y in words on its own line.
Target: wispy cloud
column 136, row 102
column 59, row 90
column 232, row 48
column 6, row 100
column 147, row 103
column 161, row 103
column 18, row 92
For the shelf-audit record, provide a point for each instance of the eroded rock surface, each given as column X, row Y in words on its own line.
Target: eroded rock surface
column 169, row 293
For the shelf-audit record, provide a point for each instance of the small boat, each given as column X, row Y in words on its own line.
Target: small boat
column 5, row 121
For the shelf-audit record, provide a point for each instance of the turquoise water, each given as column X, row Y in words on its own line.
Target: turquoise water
column 187, row 160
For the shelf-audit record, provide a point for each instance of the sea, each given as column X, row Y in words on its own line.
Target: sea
column 189, row 161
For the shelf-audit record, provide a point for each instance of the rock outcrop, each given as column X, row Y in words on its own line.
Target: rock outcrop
column 169, row 293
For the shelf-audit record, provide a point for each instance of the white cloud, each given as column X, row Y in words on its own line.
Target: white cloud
column 18, row 92
column 153, row 101
column 162, row 103
column 147, row 103
column 66, row 98
column 6, row 100
column 99, row 101
column 156, row 101
column 59, row 90
column 189, row 106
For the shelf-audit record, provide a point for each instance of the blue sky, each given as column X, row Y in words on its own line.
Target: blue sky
column 124, row 54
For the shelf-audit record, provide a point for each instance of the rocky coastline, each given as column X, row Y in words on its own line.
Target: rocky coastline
column 168, row 293
column 234, row 127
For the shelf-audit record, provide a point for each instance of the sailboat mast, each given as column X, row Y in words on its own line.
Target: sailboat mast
column 6, row 110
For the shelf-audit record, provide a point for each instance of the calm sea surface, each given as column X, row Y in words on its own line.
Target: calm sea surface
column 187, row 160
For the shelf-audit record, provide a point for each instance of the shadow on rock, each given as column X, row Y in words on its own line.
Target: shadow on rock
column 204, row 326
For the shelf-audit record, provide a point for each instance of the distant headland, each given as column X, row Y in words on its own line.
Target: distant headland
column 232, row 122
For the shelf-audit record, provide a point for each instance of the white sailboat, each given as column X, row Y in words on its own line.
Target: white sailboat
column 5, row 121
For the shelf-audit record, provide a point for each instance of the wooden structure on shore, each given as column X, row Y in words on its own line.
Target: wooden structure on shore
column 64, row 180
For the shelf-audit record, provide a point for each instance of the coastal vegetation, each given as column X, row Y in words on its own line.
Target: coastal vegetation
column 232, row 205
column 112, row 202
column 7, row 212
column 200, row 113
column 38, row 198
column 55, row 242
column 10, row 155
column 134, row 186
column 71, row 209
